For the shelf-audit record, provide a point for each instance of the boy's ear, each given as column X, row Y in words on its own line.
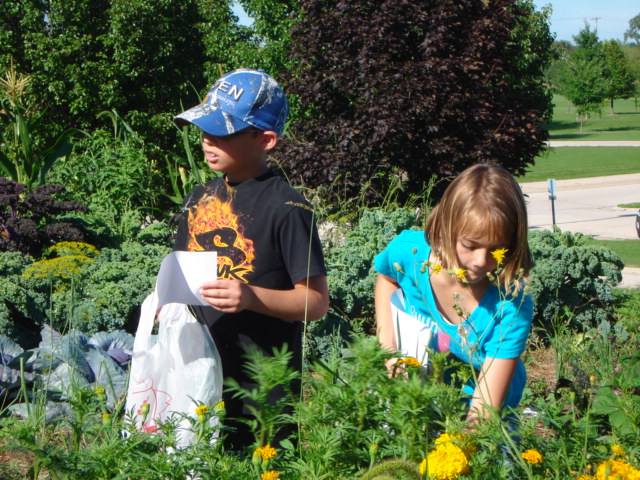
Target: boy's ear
column 269, row 139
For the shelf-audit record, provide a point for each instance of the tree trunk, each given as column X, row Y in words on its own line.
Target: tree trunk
column 611, row 106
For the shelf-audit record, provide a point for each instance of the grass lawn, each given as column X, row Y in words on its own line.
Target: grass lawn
column 562, row 163
column 629, row 250
column 623, row 125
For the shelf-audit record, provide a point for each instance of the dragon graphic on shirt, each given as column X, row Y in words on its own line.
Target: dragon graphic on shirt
column 214, row 226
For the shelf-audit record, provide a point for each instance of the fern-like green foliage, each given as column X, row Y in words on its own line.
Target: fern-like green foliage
column 572, row 277
column 393, row 469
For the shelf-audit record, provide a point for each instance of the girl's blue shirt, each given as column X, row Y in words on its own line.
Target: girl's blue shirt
column 497, row 328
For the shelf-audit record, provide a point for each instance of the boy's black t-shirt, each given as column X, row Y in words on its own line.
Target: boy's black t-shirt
column 264, row 233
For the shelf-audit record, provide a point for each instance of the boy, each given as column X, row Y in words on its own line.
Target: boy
column 271, row 273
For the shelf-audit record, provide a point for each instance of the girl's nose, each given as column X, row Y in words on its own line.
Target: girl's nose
column 481, row 258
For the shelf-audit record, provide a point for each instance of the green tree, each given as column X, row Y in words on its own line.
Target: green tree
column 619, row 78
column 582, row 78
column 402, row 89
column 633, row 32
column 141, row 58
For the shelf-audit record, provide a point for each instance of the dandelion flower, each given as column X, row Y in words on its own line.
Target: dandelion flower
column 446, row 462
column 201, row 409
column 532, row 456
column 267, row 452
column 499, row 255
column 618, row 450
column 461, row 274
column 270, row 475
column 436, row 268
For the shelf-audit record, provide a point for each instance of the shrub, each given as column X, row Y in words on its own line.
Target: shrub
column 572, row 278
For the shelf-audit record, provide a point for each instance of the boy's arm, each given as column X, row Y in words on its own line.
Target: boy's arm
column 308, row 300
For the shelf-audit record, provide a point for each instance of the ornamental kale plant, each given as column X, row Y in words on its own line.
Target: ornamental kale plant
column 97, row 291
column 572, row 278
column 349, row 252
column 30, row 222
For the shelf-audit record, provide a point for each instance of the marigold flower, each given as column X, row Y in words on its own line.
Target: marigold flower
column 446, row 462
column 270, row 475
column 618, row 450
column 267, row 452
column 499, row 255
column 461, row 440
column 437, row 268
column 409, row 362
column 615, row 470
column 532, row 456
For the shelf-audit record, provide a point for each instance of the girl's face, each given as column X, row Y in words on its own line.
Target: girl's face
column 474, row 255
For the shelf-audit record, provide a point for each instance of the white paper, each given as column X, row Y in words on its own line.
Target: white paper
column 413, row 336
column 181, row 275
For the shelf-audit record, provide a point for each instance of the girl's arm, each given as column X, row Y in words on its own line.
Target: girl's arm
column 385, row 286
column 493, row 384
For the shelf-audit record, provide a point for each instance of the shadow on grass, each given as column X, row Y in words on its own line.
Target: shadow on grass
column 570, row 136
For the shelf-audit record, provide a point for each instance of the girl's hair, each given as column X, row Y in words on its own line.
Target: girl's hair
column 484, row 199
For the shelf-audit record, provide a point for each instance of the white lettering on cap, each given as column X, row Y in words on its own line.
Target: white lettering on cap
column 231, row 90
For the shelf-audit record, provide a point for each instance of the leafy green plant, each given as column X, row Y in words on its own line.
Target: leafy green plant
column 21, row 159
column 572, row 277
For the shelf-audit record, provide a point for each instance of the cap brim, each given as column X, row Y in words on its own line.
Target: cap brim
column 210, row 120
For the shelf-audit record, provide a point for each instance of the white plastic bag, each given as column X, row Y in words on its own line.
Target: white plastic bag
column 174, row 374
column 412, row 335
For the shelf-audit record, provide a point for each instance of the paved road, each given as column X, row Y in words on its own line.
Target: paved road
column 589, row 206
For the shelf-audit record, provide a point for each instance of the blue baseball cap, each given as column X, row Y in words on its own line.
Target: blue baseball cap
column 239, row 99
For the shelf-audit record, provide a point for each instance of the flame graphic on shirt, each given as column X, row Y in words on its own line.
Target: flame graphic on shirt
column 213, row 225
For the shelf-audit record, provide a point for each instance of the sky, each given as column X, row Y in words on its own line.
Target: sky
column 611, row 17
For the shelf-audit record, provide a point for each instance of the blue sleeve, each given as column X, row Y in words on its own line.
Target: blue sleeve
column 384, row 261
column 508, row 338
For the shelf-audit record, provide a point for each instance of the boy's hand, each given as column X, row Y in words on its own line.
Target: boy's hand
column 228, row 296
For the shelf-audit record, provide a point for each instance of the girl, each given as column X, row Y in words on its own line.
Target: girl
column 463, row 277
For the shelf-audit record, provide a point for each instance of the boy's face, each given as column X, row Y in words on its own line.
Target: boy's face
column 239, row 155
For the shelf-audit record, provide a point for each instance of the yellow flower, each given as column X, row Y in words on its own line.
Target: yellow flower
column 532, row 456
column 106, row 419
column 446, row 462
column 267, row 452
column 499, row 255
column 461, row 440
column 409, row 362
column 436, row 268
column 270, row 475
column 585, row 477
column 618, row 450
column 461, row 274
column 616, row 470
column 201, row 409
column 99, row 389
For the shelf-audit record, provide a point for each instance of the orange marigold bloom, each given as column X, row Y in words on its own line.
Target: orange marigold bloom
column 270, row 475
